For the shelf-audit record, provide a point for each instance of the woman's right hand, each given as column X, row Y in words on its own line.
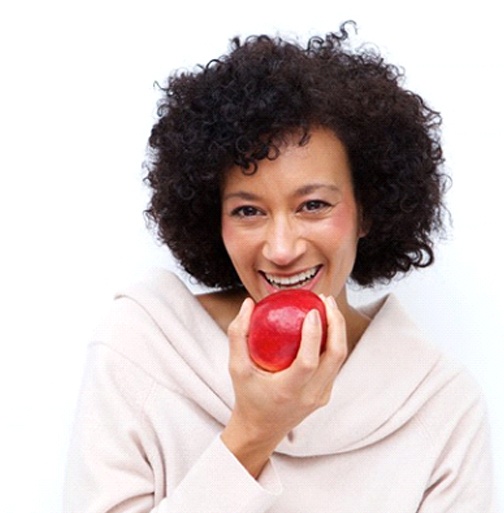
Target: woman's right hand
column 269, row 405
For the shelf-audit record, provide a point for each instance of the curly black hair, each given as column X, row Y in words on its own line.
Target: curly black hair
column 236, row 109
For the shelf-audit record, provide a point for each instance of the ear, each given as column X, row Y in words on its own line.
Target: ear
column 364, row 223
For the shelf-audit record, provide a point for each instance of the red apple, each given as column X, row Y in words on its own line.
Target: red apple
column 275, row 327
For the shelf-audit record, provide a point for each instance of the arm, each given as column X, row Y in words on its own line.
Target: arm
column 107, row 463
column 113, row 454
column 113, row 450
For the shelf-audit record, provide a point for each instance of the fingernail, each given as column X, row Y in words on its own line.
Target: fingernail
column 312, row 317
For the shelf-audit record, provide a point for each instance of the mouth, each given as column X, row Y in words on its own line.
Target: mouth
column 293, row 281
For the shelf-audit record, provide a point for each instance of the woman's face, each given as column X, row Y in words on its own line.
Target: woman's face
column 295, row 222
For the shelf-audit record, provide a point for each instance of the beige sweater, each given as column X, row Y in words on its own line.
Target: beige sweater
column 405, row 430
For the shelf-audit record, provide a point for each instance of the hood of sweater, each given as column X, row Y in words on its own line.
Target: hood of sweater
column 380, row 387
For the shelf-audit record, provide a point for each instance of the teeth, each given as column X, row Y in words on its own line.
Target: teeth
column 291, row 281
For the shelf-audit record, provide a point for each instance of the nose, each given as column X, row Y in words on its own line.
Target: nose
column 284, row 242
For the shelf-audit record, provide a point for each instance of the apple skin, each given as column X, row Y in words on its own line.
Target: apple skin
column 275, row 327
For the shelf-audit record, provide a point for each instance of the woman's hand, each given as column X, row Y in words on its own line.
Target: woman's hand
column 269, row 405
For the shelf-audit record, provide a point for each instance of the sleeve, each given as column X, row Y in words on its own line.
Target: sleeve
column 109, row 468
column 218, row 483
column 462, row 480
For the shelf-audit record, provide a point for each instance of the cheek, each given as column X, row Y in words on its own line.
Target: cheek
column 237, row 244
column 342, row 226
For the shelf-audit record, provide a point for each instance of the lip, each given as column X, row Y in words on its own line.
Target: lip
column 309, row 285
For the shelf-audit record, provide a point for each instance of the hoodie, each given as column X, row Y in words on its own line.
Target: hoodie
column 405, row 430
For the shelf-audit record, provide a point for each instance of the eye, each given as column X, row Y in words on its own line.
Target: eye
column 245, row 211
column 315, row 206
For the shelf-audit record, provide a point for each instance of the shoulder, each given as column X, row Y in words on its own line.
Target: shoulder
column 146, row 305
column 424, row 381
column 448, row 395
column 456, row 403
column 155, row 323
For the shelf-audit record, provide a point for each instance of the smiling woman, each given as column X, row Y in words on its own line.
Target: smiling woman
column 239, row 108
column 274, row 167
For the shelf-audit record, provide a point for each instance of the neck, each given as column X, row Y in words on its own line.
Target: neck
column 356, row 322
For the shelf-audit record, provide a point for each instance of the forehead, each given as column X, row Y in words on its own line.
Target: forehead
column 322, row 159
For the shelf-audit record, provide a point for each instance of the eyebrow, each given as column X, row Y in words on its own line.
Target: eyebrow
column 312, row 187
column 302, row 191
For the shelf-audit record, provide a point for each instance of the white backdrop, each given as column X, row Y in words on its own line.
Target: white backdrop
column 76, row 106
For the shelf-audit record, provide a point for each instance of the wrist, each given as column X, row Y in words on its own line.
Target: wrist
column 251, row 447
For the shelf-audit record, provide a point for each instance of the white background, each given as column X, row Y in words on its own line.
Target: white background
column 76, row 105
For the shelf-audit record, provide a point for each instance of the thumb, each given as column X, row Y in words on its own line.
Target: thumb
column 238, row 331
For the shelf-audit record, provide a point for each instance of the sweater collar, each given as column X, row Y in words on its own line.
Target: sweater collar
column 378, row 389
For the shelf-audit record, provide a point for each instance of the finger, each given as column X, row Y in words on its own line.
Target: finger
column 308, row 356
column 238, row 332
column 335, row 352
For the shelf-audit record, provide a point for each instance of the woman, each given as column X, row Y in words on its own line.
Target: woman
column 279, row 166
